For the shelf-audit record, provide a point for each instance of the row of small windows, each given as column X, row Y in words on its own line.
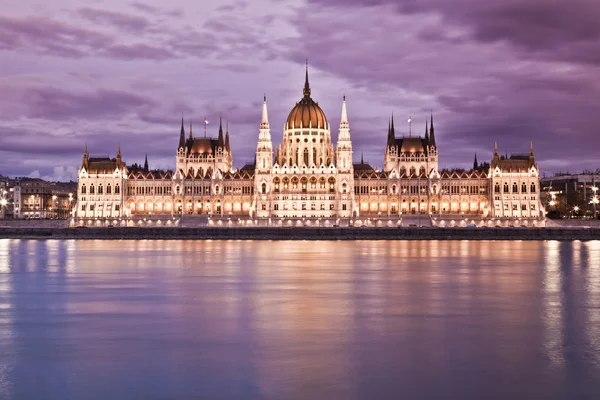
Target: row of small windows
column 313, row 207
column 515, row 207
column 92, row 207
column 464, row 189
column 149, row 190
column 421, row 189
column 100, row 189
column 515, row 188
column 304, row 183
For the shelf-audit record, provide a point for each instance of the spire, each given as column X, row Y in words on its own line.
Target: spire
column 146, row 163
column 426, row 131
column 431, row 132
column 344, row 120
column 227, row 137
column 84, row 163
column 475, row 163
column 118, row 155
column 182, row 135
column 496, row 157
column 531, row 149
column 391, row 137
column 362, row 161
column 191, row 137
column 393, row 130
column 264, row 122
column 306, row 85
column 220, row 142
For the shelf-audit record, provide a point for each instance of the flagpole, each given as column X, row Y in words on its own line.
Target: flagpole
column 205, row 123
column 409, row 127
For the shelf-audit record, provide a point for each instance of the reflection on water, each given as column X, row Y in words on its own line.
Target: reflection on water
column 286, row 320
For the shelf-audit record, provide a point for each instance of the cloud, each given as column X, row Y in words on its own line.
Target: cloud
column 549, row 28
column 54, row 103
column 138, row 52
column 125, row 22
column 46, row 36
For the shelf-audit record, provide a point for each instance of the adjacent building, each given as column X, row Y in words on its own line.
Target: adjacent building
column 38, row 198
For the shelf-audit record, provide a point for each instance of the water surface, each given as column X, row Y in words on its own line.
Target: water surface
column 299, row 320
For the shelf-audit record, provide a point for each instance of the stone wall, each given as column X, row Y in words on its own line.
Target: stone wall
column 306, row 233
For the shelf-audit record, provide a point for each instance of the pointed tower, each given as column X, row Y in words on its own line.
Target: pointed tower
column 264, row 147
column 86, row 159
column 344, row 144
column 227, row 147
column 191, row 137
column 426, row 132
column 475, row 163
column 220, row 141
column 306, row 90
column 146, row 163
column 263, row 161
column 531, row 156
column 182, row 136
column 390, row 139
column 496, row 157
column 119, row 160
column 432, row 133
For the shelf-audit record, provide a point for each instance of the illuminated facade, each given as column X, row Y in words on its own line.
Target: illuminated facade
column 307, row 178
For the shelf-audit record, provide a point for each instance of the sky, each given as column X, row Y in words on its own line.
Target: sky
column 112, row 72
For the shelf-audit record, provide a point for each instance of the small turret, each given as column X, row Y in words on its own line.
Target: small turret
column 475, row 163
column 191, row 137
column 146, row 163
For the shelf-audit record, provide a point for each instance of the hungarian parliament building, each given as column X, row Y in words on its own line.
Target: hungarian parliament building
column 308, row 180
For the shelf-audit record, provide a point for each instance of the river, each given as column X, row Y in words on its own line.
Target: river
column 93, row 319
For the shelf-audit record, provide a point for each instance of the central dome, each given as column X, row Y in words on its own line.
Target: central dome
column 307, row 112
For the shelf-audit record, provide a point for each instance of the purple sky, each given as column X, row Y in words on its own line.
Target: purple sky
column 108, row 72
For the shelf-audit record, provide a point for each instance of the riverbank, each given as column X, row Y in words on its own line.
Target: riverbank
column 306, row 233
